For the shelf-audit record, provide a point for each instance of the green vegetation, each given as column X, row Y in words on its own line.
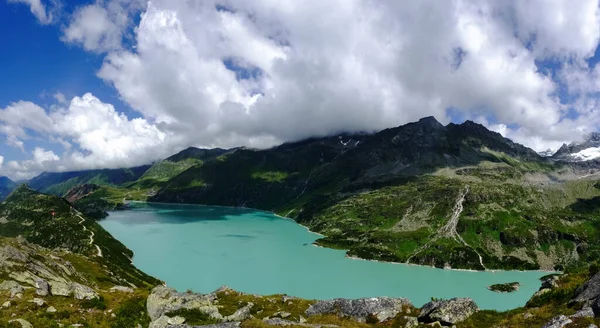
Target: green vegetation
column 508, row 287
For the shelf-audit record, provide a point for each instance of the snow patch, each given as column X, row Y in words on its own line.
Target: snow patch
column 587, row 154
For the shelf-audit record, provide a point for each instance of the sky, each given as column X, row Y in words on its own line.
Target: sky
column 120, row 83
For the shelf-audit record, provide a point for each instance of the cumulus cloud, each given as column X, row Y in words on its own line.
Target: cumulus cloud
column 255, row 73
column 356, row 66
column 101, row 26
column 104, row 137
column 38, row 9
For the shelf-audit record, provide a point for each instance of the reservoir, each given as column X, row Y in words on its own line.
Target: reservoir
column 204, row 247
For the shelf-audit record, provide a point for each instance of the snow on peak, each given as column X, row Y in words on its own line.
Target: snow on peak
column 587, row 154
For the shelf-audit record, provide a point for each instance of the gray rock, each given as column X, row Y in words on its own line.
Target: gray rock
column 281, row 314
column 177, row 320
column 239, row 315
column 589, row 290
column 382, row 308
column 163, row 300
column 586, row 312
column 411, row 322
column 558, row 322
column 161, row 322
column 592, row 326
column 6, row 304
column 82, row 292
column 218, row 325
column 38, row 301
column 448, row 312
column 12, row 286
column 42, row 288
column 550, row 282
column 51, row 309
column 24, row 323
column 59, row 288
column 285, row 323
column 121, row 289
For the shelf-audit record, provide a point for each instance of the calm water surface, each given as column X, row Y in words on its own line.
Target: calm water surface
column 203, row 247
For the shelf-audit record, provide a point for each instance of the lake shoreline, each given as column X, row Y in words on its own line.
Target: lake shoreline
column 322, row 236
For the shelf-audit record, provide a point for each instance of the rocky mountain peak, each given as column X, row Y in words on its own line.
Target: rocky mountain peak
column 431, row 122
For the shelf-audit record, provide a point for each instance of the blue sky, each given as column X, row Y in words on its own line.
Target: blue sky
column 38, row 65
column 193, row 74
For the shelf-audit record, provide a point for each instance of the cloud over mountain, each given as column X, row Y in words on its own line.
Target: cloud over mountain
column 255, row 73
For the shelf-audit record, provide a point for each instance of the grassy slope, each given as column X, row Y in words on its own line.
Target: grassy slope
column 63, row 238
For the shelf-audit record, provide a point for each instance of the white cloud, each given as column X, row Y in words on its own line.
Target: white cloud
column 356, row 66
column 60, row 97
column 104, row 137
column 320, row 67
column 101, row 26
column 40, row 156
column 38, row 9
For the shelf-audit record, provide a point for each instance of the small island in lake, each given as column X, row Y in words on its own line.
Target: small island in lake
column 508, row 287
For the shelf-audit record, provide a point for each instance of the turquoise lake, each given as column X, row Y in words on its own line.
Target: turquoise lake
column 204, row 247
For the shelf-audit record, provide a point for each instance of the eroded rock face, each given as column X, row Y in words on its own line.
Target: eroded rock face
column 588, row 291
column 382, row 308
column 448, row 312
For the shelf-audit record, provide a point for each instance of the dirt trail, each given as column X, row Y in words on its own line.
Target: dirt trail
column 92, row 234
column 449, row 229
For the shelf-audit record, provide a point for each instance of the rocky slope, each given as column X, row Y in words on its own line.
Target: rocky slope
column 456, row 196
column 59, row 268
column 63, row 269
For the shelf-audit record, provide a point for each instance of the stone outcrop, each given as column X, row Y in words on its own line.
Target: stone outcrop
column 558, row 322
column 589, row 291
column 12, row 286
column 163, row 300
column 382, row 308
column 218, row 325
column 448, row 312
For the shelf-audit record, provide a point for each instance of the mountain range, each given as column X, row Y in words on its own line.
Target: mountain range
column 390, row 195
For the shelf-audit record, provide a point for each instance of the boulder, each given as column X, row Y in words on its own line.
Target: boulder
column 42, row 288
column 586, row 312
column 82, row 292
column 448, row 312
column 590, row 290
column 161, row 322
column 163, row 300
column 241, row 314
column 59, row 288
column 218, row 325
column 51, row 309
column 411, row 322
column 382, row 308
column 12, row 286
column 6, row 304
column 558, row 322
column 121, row 289
column 38, row 301
column 24, row 323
